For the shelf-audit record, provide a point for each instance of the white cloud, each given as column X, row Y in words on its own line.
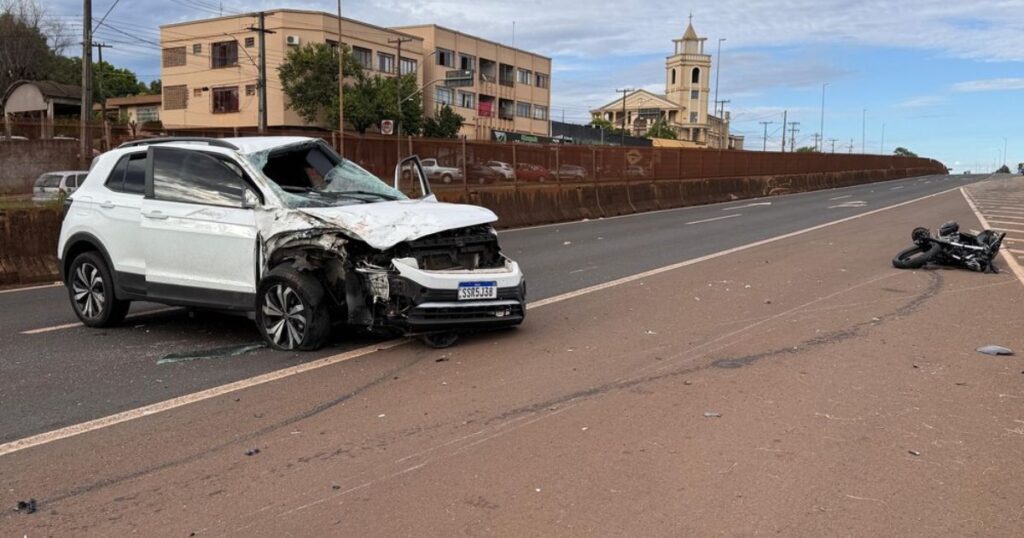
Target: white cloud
column 990, row 85
column 922, row 101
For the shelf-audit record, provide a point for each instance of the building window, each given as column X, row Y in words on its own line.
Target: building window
column 174, row 57
column 541, row 79
column 225, row 100
column 363, row 56
column 694, row 117
column 467, row 62
column 197, row 48
column 467, row 99
column 197, row 92
column 694, row 94
column 506, row 74
column 408, row 66
column 250, row 42
column 522, row 109
column 224, row 54
column 175, row 97
column 524, row 76
column 443, row 96
column 445, row 57
column 540, row 112
column 695, row 77
column 250, row 89
column 385, row 62
column 145, row 114
column 673, row 76
column 506, row 109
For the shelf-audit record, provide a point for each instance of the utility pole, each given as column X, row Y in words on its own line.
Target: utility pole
column 794, row 128
column 863, row 131
column 1004, row 150
column 398, row 92
column 821, row 129
column 624, row 91
column 84, row 136
column 785, row 114
column 881, row 151
column 721, row 115
column 817, row 137
column 833, row 140
column 261, row 85
column 99, row 80
column 718, row 70
column 851, row 147
column 764, row 145
column 341, row 88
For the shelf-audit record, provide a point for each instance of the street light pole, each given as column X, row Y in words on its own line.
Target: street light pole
column 341, row 88
column 821, row 129
column 863, row 131
column 882, row 150
column 764, row 146
column 1004, row 150
column 718, row 70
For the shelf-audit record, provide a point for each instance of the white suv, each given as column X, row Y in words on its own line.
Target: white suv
column 286, row 229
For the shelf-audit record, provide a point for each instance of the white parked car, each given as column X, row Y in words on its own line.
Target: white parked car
column 505, row 169
column 436, row 172
column 283, row 228
column 51, row 186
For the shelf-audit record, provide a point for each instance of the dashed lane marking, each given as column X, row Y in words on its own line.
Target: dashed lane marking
column 30, row 288
column 80, row 324
column 714, row 219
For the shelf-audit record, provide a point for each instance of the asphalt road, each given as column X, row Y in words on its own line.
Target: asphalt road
column 53, row 375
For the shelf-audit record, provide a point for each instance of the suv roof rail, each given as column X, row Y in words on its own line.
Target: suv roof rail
column 171, row 139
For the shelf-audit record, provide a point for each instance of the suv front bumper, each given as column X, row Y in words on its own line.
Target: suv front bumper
column 425, row 301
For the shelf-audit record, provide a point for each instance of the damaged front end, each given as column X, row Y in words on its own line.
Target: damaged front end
column 454, row 280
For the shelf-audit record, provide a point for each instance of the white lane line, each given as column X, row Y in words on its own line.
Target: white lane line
column 851, row 203
column 896, row 188
column 840, row 198
column 1000, row 215
column 755, row 204
column 159, row 407
column 1010, row 260
column 166, row 405
column 30, row 288
column 714, row 219
column 79, row 323
column 1007, row 222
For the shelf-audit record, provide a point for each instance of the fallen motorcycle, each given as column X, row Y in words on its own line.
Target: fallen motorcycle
column 952, row 247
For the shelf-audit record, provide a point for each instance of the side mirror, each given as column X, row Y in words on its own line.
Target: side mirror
column 250, row 200
column 415, row 168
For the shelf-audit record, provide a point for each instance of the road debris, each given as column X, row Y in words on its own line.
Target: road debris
column 252, row 452
column 712, row 414
column 29, row 506
column 567, row 243
column 215, row 353
column 914, row 453
column 651, row 332
column 441, row 359
column 995, row 350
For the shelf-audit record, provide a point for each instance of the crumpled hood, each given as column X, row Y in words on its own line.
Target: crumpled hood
column 383, row 225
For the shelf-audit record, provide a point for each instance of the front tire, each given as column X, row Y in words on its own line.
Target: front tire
column 916, row 256
column 91, row 289
column 291, row 311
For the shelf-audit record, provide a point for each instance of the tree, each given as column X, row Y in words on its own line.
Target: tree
column 660, row 129
column 116, row 81
column 1003, row 170
column 607, row 126
column 155, row 87
column 446, row 125
column 309, row 77
column 24, row 49
column 806, row 149
column 903, row 152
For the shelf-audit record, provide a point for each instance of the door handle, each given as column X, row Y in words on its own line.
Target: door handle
column 107, row 205
column 154, row 215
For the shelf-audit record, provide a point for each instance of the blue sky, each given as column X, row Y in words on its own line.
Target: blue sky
column 946, row 79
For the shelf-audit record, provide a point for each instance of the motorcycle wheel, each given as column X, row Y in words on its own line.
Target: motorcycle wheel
column 916, row 256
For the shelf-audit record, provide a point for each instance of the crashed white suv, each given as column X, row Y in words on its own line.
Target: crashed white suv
column 285, row 228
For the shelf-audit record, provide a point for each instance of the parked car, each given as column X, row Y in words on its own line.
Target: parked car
column 285, row 229
column 505, row 169
column 51, row 186
column 13, row 139
column 572, row 172
column 479, row 173
column 532, row 172
column 436, row 172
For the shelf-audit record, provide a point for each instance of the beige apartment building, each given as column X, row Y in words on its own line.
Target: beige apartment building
column 210, row 67
column 683, row 106
column 494, row 87
column 210, row 71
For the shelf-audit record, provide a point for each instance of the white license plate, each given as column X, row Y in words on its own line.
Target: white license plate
column 469, row 291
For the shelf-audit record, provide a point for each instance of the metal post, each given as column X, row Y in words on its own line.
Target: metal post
column 398, row 92
column 624, row 91
column 821, row 129
column 764, row 145
column 785, row 117
column 718, row 71
column 863, row 131
column 341, row 88
column 84, row 138
column 262, row 85
column 881, row 150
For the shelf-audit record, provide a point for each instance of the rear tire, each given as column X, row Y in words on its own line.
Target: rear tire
column 91, row 290
column 446, row 178
column 292, row 311
column 916, row 256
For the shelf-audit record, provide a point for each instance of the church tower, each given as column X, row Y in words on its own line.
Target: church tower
column 688, row 83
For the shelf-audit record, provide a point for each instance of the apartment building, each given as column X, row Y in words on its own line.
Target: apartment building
column 210, row 71
column 210, row 67
column 493, row 86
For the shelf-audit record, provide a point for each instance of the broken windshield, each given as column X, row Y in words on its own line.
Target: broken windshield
column 313, row 175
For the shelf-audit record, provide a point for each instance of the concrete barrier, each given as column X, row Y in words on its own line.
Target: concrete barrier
column 28, row 237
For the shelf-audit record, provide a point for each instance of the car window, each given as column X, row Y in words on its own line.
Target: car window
column 129, row 174
column 196, row 177
column 71, row 181
column 49, row 180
